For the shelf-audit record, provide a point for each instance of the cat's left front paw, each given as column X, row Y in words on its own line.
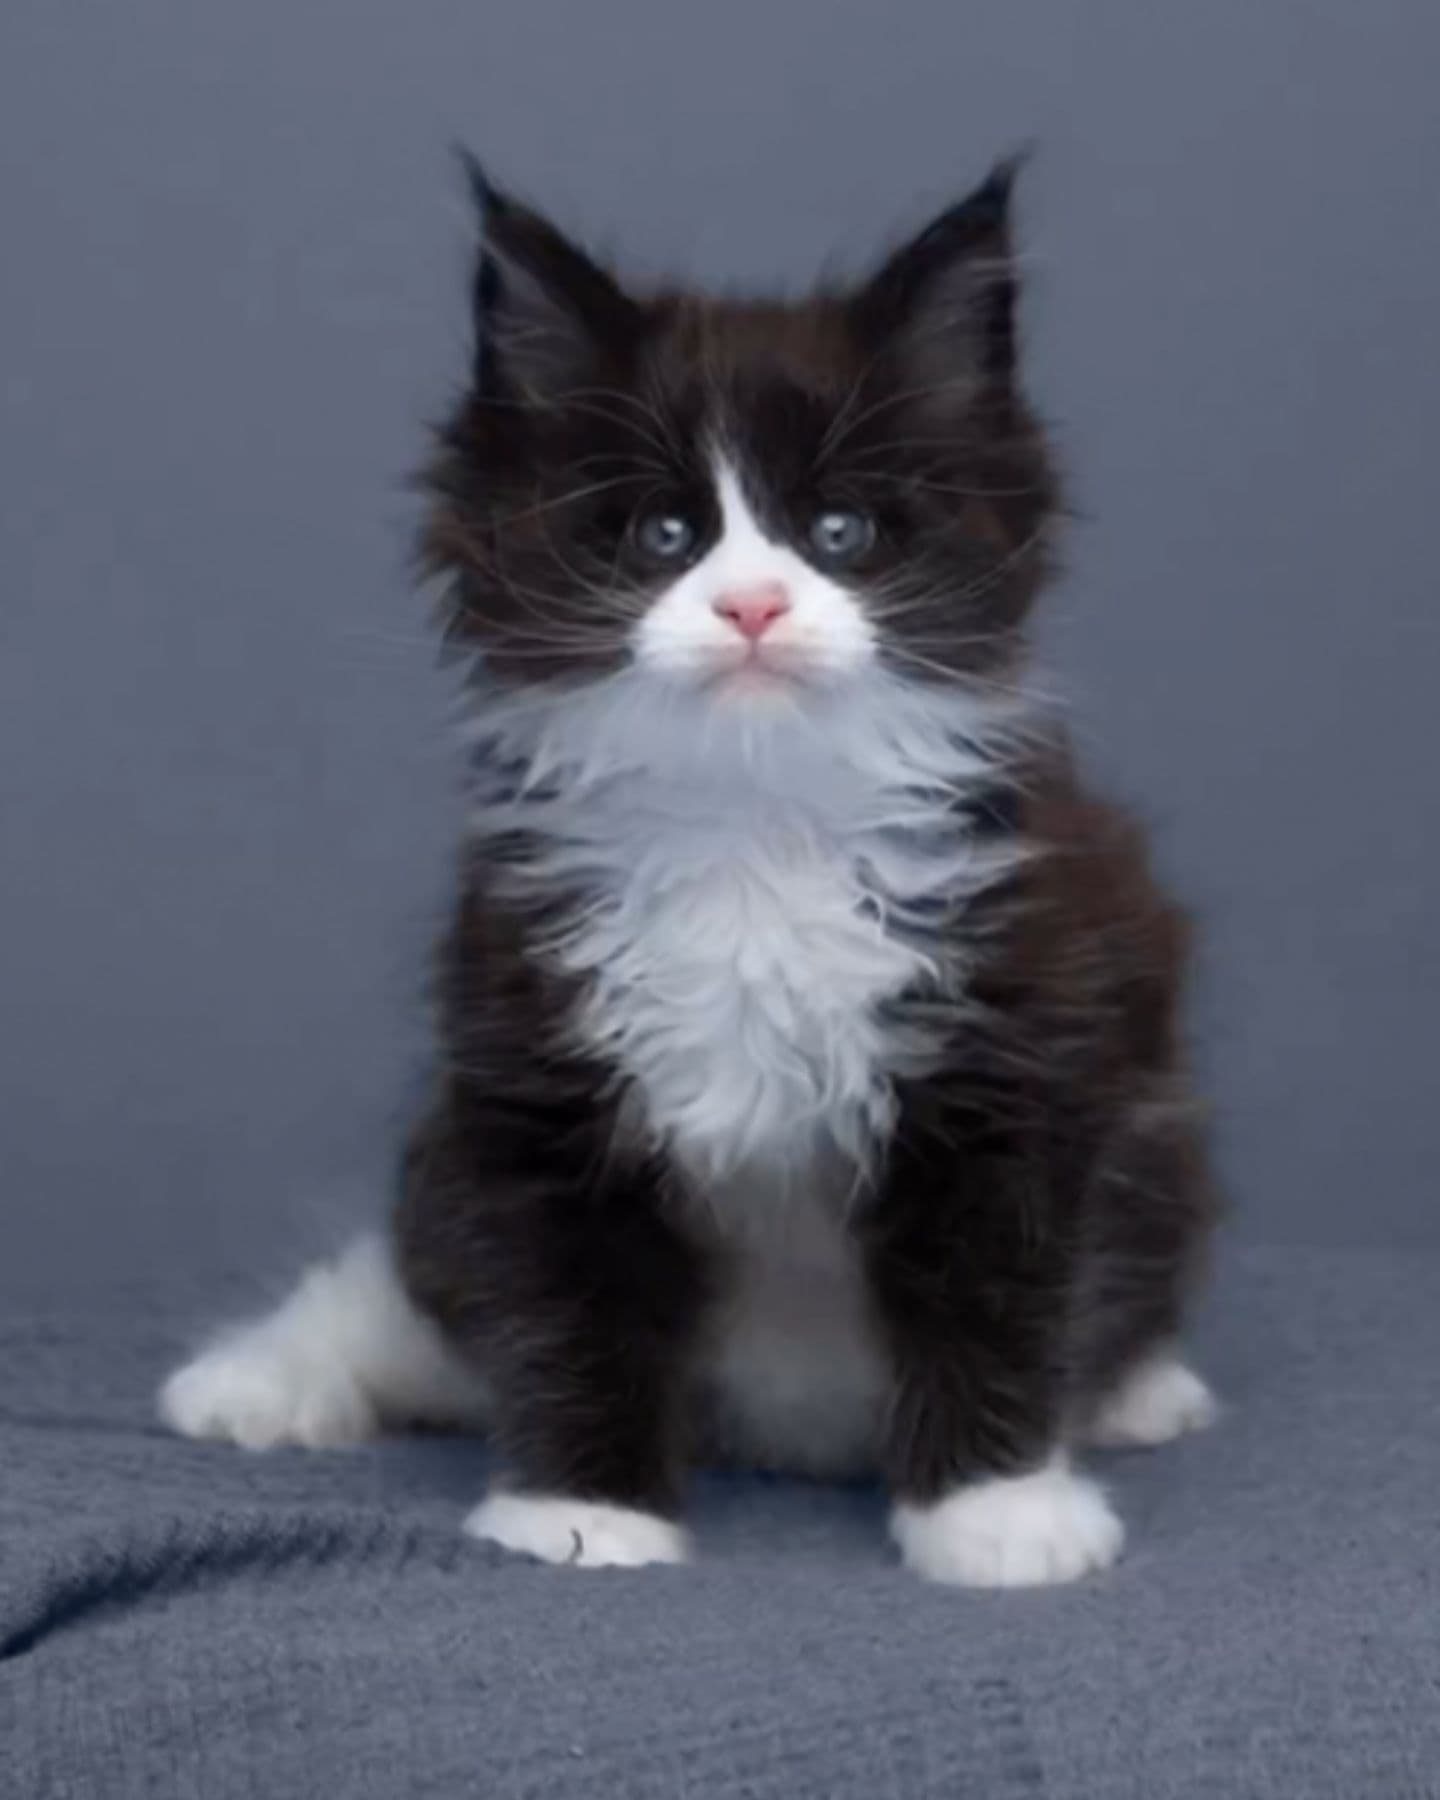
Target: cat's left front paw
column 1025, row 1531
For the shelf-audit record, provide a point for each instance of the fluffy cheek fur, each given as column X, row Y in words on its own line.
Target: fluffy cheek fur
column 824, row 634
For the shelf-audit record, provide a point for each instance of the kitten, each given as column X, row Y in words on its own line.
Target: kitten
column 810, row 1091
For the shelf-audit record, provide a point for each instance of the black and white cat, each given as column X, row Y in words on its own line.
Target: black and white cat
column 809, row 1093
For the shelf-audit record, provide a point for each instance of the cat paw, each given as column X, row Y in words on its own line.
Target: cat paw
column 1029, row 1531
column 586, row 1533
column 1157, row 1401
column 247, row 1391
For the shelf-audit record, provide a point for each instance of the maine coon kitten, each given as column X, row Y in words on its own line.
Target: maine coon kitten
column 810, row 1092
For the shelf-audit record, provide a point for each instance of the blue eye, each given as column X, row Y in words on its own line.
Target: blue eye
column 839, row 535
column 664, row 537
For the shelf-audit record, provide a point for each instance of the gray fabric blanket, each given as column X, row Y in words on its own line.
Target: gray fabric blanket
column 187, row 1620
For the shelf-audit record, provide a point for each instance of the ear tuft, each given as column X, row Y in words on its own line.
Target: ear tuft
column 545, row 312
column 946, row 298
column 482, row 189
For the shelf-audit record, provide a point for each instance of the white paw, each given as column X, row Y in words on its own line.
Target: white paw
column 587, row 1533
column 257, row 1393
column 1155, row 1402
column 1024, row 1532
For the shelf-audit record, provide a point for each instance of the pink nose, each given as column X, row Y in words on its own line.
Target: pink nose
column 753, row 610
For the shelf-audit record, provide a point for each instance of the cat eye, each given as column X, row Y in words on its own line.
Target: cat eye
column 839, row 535
column 664, row 537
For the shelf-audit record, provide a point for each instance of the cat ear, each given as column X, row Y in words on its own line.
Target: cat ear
column 945, row 301
column 545, row 313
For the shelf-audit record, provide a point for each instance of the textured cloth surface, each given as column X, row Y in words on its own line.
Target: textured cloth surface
column 190, row 1620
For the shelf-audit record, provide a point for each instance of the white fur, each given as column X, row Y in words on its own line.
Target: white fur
column 1159, row 1400
column 793, row 1377
column 586, row 1534
column 825, row 633
column 342, row 1355
column 1027, row 1531
column 749, row 882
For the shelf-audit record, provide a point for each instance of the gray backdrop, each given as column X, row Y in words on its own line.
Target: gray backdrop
column 231, row 266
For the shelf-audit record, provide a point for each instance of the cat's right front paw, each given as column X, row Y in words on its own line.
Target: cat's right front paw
column 588, row 1534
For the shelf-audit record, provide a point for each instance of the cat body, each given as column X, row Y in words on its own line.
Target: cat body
column 810, row 1091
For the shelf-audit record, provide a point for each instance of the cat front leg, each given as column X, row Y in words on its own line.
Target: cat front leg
column 560, row 1278
column 970, row 1275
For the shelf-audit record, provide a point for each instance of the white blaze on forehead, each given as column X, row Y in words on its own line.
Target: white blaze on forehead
column 744, row 556
column 825, row 631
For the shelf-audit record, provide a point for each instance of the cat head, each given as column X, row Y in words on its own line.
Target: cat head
column 742, row 498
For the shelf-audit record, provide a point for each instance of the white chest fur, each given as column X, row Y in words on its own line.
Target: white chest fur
column 746, row 893
column 737, row 977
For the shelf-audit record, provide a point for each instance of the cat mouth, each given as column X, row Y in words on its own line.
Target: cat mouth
column 764, row 670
